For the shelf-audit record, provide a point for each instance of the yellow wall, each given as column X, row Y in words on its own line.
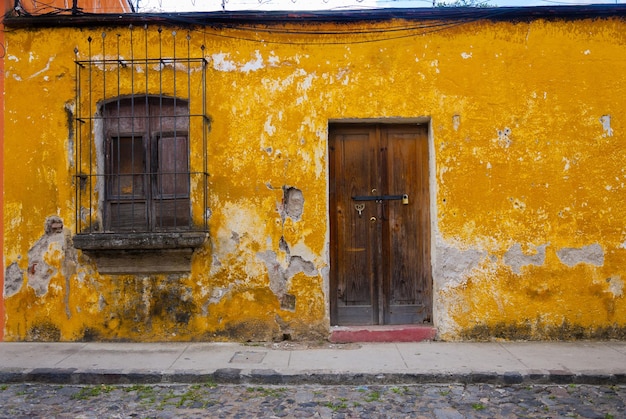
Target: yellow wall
column 527, row 130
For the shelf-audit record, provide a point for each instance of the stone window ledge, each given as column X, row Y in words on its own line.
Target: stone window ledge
column 139, row 241
column 141, row 253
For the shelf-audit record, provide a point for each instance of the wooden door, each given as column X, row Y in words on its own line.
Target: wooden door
column 380, row 224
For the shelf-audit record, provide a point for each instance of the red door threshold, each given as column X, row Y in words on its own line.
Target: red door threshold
column 401, row 333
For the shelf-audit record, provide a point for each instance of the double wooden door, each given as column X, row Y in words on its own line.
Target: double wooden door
column 380, row 224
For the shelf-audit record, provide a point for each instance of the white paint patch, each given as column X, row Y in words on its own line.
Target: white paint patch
column 435, row 64
column 273, row 59
column 269, row 128
column 442, row 171
column 15, row 220
column 566, row 168
column 518, row 204
column 220, row 63
column 307, row 82
column 254, row 64
column 466, row 55
column 456, row 122
column 13, row 58
column 606, row 125
column 320, row 153
column 43, row 70
column 586, row 52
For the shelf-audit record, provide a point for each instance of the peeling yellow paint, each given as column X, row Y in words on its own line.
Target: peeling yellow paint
column 527, row 134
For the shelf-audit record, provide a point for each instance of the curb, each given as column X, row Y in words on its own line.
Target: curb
column 272, row 377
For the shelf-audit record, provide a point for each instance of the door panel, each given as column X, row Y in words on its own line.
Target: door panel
column 380, row 248
column 408, row 267
column 355, row 257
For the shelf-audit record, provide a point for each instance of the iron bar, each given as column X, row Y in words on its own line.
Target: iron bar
column 378, row 198
column 105, row 187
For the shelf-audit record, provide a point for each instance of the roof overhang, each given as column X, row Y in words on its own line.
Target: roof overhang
column 302, row 17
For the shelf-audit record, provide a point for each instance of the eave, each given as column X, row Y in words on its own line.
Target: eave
column 302, row 17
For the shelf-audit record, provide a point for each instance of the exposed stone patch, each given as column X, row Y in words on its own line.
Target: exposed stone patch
column 453, row 265
column 288, row 302
column 516, row 259
column 592, row 254
column 13, row 279
column 293, row 203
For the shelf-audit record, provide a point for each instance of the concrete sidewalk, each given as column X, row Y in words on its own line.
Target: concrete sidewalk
column 293, row 363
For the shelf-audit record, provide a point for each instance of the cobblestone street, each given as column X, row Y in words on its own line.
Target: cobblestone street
column 439, row 401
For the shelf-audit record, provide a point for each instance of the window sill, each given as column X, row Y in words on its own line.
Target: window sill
column 141, row 253
column 139, row 241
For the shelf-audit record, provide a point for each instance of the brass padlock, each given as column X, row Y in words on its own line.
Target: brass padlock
column 405, row 199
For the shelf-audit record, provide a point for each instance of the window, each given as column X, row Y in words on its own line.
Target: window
column 140, row 143
column 146, row 149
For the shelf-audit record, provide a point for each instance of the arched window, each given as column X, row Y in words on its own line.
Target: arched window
column 146, row 153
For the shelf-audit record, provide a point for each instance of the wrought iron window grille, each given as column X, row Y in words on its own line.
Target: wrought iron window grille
column 141, row 132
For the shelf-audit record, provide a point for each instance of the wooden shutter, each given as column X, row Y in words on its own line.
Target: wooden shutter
column 171, row 200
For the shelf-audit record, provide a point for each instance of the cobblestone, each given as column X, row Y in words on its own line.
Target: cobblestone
column 440, row 401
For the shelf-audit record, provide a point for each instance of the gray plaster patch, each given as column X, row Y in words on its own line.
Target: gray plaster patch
column 298, row 264
column 516, row 259
column 616, row 285
column 504, row 139
column 39, row 271
column 592, row 254
column 453, row 265
column 605, row 120
column 13, row 279
column 279, row 276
